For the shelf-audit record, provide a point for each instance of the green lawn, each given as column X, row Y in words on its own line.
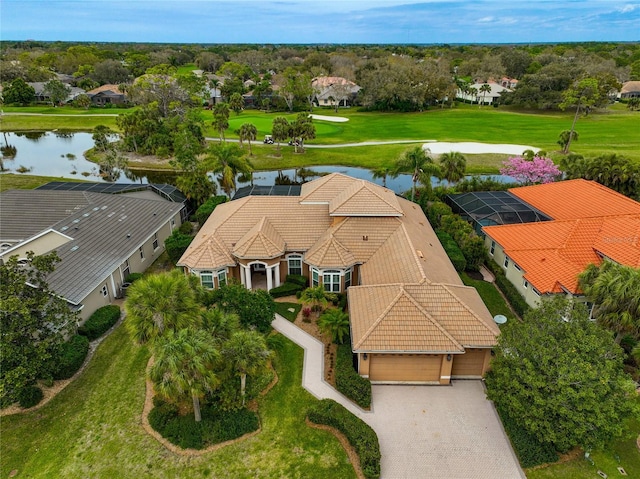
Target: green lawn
column 12, row 181
column 490, row 295
column 92, row 429
column 606, row 461
column 283, row 310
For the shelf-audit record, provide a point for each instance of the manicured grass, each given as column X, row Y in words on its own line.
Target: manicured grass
column 73, row 122
column 60, row 110
column 606, row 461
column 283, row 310
column 92, row 429
column 490, row 295
column 12, row 181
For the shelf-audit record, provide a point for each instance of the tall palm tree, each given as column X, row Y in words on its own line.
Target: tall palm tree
column 196, row 186
column 484, row 89
column 248, row 132
column 184, row 367
column 473, row 92
column 228, row 161
column 615, row 291
column 281, row 130
column 246, row 352
column 453, row 166
column 220, row 324
column 418, row 163
column 383, row 172
column 221, row 119
column 160, row 303
column 336, row 323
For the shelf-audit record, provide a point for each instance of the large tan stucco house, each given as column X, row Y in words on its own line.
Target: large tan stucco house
column 99, row 237
column 588, row 224
column 412, row 319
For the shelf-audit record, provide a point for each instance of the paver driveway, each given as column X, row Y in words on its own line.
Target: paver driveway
column 439, row 432
column 444, row 432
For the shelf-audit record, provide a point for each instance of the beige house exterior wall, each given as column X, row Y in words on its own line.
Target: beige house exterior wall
column 40, row 245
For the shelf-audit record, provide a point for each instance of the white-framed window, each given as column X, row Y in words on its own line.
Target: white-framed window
column 4, row 247
column 141, row 251
column 315, row 275
column 295, row 264
column 331, row 281
column 493, row 248
column 155, row 241
column 222, row 277
column 105, row 291
column 347, row 279
column 125, row 268
column 206, row 279
column 525, row 284
column 506, row 262
column 515, row 265
column 23, row 262
column 535, row 291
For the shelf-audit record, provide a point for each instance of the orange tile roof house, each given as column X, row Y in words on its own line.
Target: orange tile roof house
column 590, row 223
column 412, row 319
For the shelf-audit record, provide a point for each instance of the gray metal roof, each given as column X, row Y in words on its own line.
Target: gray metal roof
column 168, row 192
column 106, row 230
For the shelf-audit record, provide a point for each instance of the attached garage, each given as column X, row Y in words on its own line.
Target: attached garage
column 470, row 364
column 405, row 367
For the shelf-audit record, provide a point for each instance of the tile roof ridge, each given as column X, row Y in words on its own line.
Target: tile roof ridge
column 413, row 250
column 447, row 286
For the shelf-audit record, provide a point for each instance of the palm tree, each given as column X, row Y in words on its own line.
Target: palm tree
column 220, row 324
column 184, row 367
column 248, row 132
column 473, row 92
column 281, row 130
column 160, row 303
column 614, row 290
column 246, row 352
column 228, row 161
column 336, row 323
column 316, row 296
column 196, row 186
column 485, row 88
column 221, row 119
column 383, row 172
column 417, row 162
column 453, row 166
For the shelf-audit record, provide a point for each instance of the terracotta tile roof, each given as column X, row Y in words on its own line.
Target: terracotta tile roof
column 112, row 88
column 325, row 82
column 363, row 198
column 572, row 199
column 325, row 188
column 553, row 253
column 209, row 253
column 328, row 252
column 630, row 87
column 415, row 317
column 261, row 241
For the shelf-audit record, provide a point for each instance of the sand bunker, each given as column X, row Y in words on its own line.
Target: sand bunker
column 335, row 119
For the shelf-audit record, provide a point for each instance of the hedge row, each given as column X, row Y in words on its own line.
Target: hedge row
column 285, row 289
column 71, row 357
column 363, row 439
column 297, row 279
column 348, row 381
column 30, row 396
column 100, row 322
column 529, row 450
column 514, row 298
column 215, row 427
column 176, row 245
column 453, row 250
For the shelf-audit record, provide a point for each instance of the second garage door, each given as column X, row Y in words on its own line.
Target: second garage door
column 469, row 364
column 405, row 367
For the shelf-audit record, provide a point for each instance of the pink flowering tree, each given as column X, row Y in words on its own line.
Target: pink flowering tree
column 531, row 172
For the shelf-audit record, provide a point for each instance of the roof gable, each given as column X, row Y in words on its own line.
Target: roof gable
column 363, row 198
column 328, row 252
column 261, row 241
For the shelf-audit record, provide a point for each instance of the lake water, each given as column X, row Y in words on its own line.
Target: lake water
column 61, row 155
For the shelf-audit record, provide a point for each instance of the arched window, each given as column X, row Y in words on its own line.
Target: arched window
column 295, row 264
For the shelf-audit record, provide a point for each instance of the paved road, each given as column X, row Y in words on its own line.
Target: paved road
column 425, row 432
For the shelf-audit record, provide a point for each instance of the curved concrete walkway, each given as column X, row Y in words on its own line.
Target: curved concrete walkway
column 424, row 431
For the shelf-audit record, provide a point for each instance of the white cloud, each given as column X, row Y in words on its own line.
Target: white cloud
column 627, row 8
column 485, row 19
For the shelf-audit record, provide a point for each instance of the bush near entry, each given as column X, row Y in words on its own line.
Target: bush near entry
column 100, row 322
column 348, row 381
column 359, row 434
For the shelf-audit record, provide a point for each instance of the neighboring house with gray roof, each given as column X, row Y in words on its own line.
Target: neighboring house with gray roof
column 100, row 238
column 42, row 96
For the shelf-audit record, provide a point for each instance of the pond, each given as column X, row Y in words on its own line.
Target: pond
column 61, row 155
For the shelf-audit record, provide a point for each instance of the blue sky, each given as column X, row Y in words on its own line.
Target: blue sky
column 321, row 21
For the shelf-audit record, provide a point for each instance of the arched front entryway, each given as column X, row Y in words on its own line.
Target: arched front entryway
column 260, row 275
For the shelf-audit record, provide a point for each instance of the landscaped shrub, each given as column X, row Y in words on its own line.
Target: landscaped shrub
column 29, row 396
column 216, row 426
column 514, row 298
column 186, row 228
column 529, row 450
column 436, row 211
column 100, row 322
column 348, row 381
column 474, row 252
column 176, row 245
column 297, row 279
column 285, row 289
column 359, row 434
column 132, row 277
column 453, row 251
column 205, row 210
column 71, row 357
